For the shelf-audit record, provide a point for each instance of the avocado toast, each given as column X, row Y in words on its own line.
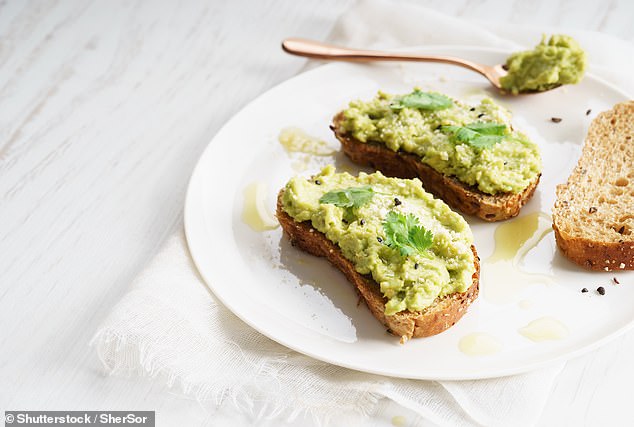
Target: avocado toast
column 470, row 156
column 410, row 258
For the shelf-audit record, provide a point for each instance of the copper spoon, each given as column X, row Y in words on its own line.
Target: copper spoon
column 318, row 50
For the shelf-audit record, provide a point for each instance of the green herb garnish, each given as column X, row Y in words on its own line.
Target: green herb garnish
column 349, row 198
column 404, row 232
column 422, row 100
column 477, row 134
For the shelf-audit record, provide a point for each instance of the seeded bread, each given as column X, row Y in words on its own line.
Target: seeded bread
column 441, row 315
column 593, row 216
column 455, row 193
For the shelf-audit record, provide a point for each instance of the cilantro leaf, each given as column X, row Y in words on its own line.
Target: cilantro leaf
column 404, row 232
column 352, row 197
column 488, row 128
column 422, row 100
column 477, row 134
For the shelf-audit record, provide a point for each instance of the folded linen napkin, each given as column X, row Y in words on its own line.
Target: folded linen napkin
column 171, row 326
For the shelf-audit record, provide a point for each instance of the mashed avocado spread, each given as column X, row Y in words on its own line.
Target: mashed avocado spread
column 476, row 144
column 558, row 61
column 413, row 245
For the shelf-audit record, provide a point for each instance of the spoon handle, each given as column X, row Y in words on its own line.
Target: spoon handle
column 318, row 50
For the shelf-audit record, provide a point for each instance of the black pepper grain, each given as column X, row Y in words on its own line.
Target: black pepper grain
column 584, row 290
column 415, row 266
column 472, row 109
column 379, row 239
column 616, row 282
column 556, row 119
column 480, row 115
column 318, row 182
column 345, row 221
column 592, row 209
column 397, row 202
column 362, row 221
column 601, row 290
column 588, row 112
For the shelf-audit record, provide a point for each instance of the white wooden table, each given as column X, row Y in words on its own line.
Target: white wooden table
column 105, row 107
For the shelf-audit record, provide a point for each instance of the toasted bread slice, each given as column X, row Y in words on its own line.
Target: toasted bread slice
column 455, row 193
column 441, row 315
column 593, row 216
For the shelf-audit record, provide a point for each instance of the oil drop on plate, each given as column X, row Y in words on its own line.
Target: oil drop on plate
column 479, row 344
column 295, row 140
column 503, row 278
column 544, row 329
column 255, row 213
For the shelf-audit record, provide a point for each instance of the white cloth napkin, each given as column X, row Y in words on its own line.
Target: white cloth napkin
column 170, row 325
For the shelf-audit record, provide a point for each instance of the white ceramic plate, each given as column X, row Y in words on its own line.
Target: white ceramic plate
column 303, row 303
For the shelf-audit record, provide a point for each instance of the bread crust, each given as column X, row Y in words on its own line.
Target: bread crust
column 455, row 193
column 593, row 255
column 441, row 315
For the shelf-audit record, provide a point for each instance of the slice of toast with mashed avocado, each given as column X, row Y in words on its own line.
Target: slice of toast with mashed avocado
column 470, row 156
column 409, row 256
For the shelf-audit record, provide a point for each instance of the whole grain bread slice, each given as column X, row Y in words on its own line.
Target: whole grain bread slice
column 441, row 315
column 455, row 193
column 593, row 216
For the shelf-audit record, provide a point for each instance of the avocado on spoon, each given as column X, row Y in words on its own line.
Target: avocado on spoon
column 552, row 63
